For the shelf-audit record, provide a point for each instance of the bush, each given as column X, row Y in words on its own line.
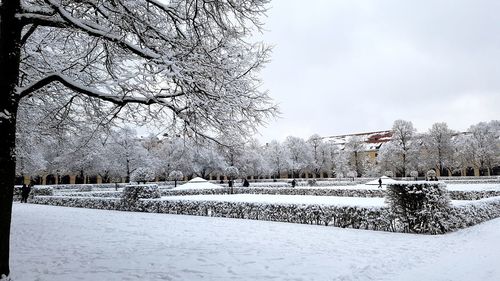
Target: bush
column 232, row 172
column 421, row 207
column 389, row 174
column 142, row 175
column 311, row 182
column 175, row 176
column 42, row 191
column 85, row 188
column 132, row 193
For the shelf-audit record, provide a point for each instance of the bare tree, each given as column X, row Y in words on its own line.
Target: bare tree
column 403, row 135
column 438, row 142
column 483, row 146
column 299, row 156
column 355, row 146
column 277, row 157
column 320, row 153
column 188, row 63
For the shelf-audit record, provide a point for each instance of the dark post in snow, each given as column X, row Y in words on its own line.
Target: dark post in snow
column 10, row 48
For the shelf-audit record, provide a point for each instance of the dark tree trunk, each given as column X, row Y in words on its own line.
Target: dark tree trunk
column 10, row 38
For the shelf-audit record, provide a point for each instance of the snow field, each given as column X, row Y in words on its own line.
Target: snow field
column 60, row 244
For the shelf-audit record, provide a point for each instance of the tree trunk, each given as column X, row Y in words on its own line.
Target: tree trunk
column 10, row 38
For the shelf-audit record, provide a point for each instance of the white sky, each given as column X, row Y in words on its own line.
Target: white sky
column 352, row 66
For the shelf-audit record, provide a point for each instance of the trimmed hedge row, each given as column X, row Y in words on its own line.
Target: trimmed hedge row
column 340, row 216
column 472, row 194
column 90, row 186
column 420, row 207
column 103, row 194
column 472, row 181
column 475, row 213
column 280, row 191
column 453, row 194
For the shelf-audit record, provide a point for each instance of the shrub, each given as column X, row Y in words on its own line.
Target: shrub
column 389, row 174
column 352, row 174
column 311, row 182
column 431, row 174
column 175, row 176
column 421, row 207
column 132, row 193
column 42, row 191
column 142, row 174
column 85, row 188
column 232, row 172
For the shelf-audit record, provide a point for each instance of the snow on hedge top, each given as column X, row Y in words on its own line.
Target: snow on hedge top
column 284, row 199
column 197, row 183
column 385, row 180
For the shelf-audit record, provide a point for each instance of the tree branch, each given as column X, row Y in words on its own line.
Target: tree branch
column 96, row 32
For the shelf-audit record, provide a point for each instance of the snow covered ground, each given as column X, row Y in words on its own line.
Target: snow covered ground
column 57, row 243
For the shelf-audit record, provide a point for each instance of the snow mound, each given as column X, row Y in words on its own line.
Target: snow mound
column 197, row 183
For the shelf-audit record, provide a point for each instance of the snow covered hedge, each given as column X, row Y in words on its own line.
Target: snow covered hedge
column 41, row 190
column 472, row 181
column 280, row 191
column 36, row 190
column 374, row 218
column 82, row 202
column 472, row 194
column 84, row 186
column 102, row 194
column 474, row 213
column 420, row 207
column 132, row 193
column 340, row 216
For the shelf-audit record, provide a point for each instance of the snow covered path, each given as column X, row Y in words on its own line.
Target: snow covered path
column 57, row 243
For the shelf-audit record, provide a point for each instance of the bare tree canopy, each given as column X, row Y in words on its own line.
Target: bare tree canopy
column 186, row 64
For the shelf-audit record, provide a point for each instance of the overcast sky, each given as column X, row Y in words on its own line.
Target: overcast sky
column 348, row 66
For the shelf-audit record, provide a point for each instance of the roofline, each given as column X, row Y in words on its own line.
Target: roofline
column 357, row 134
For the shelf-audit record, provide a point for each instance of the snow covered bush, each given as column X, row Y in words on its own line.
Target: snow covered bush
column 132, row 193
column 352, row 174
column 472, row 195
column 39, row 190
column 232, row 172
column 476, row 212
column 389, row 174
column 471, row 181
column 103, row 194
column 421, row 207
column 83, row 202
column 311, row 183
column 431, row 174
column 85, row 188
column 17, row 193
column 175, row 176
column 94, row 186
column 143, row 175
column 414, row 174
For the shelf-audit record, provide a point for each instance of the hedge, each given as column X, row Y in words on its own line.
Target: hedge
column 472, row 181
column 453, row 194
column 420, row 207
column 374, row 218
column 280, row 191
column 472, row 194
column 340, row 216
